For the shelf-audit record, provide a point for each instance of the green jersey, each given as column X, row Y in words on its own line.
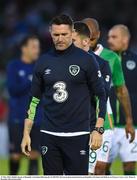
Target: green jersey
column 117, row 78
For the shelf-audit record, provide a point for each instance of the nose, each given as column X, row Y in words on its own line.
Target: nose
column 60, row 38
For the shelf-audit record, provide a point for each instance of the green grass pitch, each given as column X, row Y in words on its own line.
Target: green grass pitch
column 4, row 170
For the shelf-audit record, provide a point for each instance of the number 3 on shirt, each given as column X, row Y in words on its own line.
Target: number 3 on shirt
column 61, row 94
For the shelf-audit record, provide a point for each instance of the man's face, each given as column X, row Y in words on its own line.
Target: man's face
column 81, row 42
column 32, row 49
column 93, row 43
column 94, row 38
column 61, row 36
column 94, row 34
column 116, row 40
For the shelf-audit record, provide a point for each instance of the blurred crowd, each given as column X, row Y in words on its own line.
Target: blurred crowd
column 18, row 18
column 21, row 17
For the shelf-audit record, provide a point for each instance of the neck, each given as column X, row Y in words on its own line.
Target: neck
column 26, row 59
column 95, row 48
column 64, row 50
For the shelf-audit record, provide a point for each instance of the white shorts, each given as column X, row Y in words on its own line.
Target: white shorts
column 101, row 154
column 122, row 148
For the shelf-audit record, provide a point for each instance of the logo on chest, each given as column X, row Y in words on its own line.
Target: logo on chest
column 130, row 64
column 74, row 70
column 21, row 73
column 47, row 71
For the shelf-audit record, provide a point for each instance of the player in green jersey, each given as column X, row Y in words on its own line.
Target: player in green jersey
column 117, row 81
column 118, row 41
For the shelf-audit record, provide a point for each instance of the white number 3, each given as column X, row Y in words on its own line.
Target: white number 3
column 61, row 94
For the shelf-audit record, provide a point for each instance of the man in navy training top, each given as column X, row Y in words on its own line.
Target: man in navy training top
column 66, row 77
column 81, row 39
column 19, row 78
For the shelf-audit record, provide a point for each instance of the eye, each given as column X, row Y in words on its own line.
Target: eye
column 93, row 38
column 56, row 35
column 64, row 34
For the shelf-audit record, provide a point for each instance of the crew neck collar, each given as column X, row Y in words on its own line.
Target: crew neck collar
column 66, row 51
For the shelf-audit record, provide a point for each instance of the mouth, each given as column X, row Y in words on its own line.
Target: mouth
column 60, row 44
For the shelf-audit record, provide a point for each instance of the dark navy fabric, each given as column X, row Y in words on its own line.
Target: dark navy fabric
column 65, row 155
column 67, row 79
column 105, row 71
column 19, row 78
column 106, row 74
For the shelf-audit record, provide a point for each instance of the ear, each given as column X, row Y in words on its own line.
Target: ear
column 73, row 30
column 98, row 35
column 73, row 35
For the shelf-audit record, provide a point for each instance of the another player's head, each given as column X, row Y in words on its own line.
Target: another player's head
column 61, row 29
column 118, row 38
column 81, row 36
column 30, row 48
column 94, row 31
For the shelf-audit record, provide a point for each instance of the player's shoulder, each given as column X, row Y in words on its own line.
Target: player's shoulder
column 14, row 63
column 86, row 60
column 130, row 55
column 101, row 61
column 42, row 62
column 42, row 59
column 111, row 53
column 82, row 53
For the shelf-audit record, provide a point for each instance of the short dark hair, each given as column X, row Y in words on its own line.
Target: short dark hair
column 62, row 19
column 26, row 39
column 82, row 28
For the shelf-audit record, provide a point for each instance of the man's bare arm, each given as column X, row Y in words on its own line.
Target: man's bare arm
column 28, row 126
column 124, row 99
column 26, row 141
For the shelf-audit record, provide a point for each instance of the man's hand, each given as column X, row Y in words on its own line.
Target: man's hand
column 95, row 141
column 26, row 145
column 26, row 141
column 129, row 128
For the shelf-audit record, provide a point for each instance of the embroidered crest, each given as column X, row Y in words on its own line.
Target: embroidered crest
column 74, row 69
column 131, row 64
column 44, row 149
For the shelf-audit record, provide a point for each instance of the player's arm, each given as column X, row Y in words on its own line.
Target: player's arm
column 36, row 91
column 123, row 97
column 26, row 141
column 96, row 85
column 15, row 87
